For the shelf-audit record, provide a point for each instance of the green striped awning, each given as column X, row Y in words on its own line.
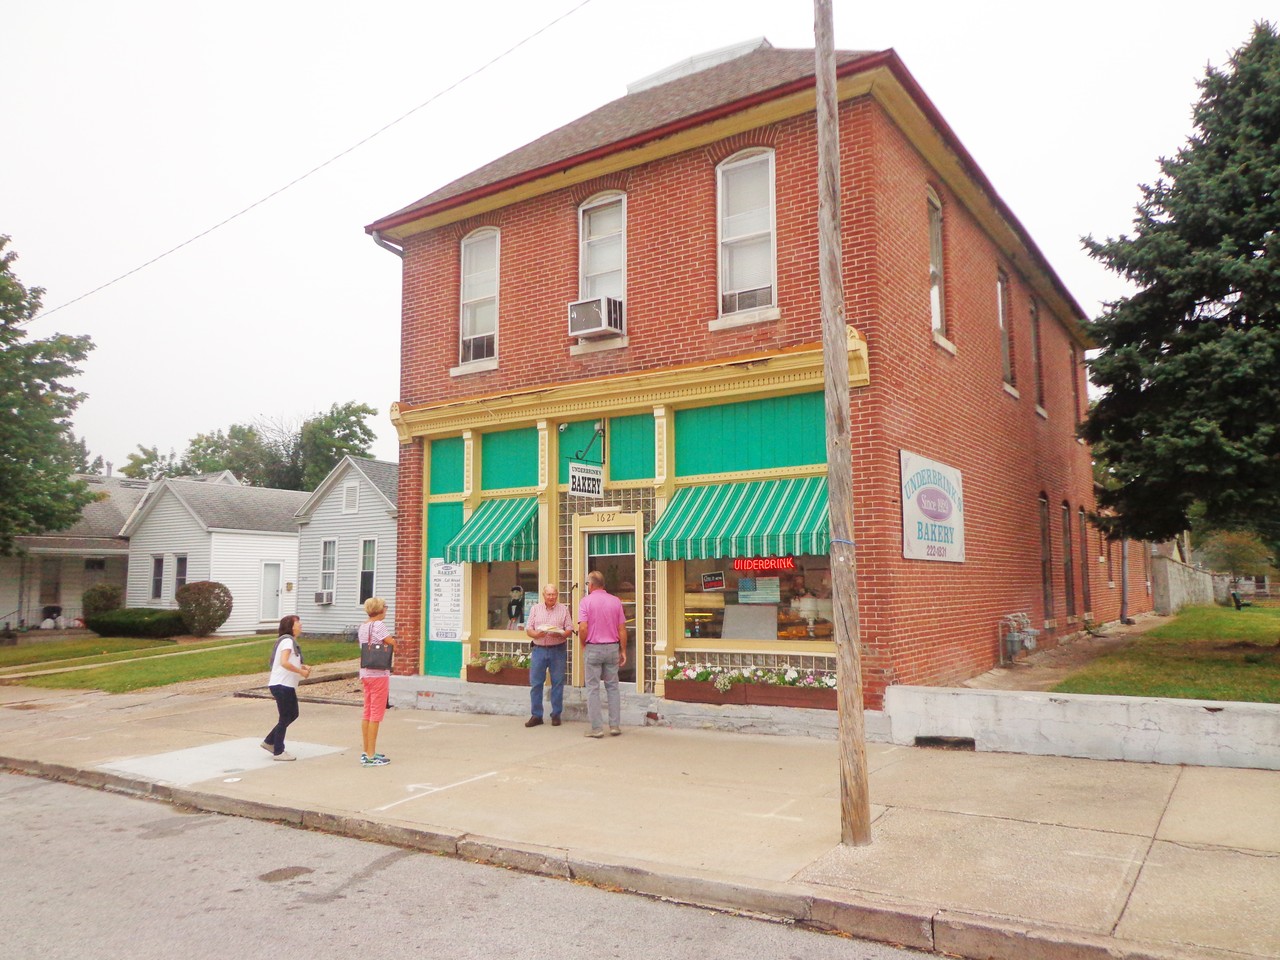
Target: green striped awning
column 499, row 531
column 758, row 518
column 611, row 544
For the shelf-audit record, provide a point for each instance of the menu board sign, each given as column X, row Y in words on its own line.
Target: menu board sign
column 445, row 615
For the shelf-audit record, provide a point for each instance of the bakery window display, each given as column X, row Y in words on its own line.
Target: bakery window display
column 758, row 598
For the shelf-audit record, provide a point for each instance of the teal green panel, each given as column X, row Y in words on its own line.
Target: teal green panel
column 446, row 465
column 575, row 438
column 631, row 447
column 752, row 435
column 444, row 520
column 509, row 459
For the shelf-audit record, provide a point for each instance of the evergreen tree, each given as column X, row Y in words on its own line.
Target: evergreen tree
column 1190, row 363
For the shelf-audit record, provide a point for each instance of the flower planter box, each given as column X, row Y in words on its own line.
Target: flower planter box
column 703, row 691
column 510, row 676
column 771, row 695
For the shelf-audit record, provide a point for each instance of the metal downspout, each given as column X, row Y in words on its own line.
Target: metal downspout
column 1124, row 582
column 386, row 244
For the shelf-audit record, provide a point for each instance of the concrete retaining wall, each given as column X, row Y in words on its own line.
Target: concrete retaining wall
column 1175, row 585
column 1146, row 730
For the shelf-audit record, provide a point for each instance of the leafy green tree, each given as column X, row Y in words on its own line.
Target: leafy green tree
column 1237, row 552
column 80, row 461
column 327, row 438
column 239, row 450
column 36, row 456
column 148, row 463
column 1190, row 363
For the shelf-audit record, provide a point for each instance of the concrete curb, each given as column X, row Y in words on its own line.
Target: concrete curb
column 910, row 925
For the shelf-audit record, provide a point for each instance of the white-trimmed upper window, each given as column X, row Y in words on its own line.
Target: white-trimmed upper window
column 351, row 497
column 479, row 334
column 937, row 306
column 746, row 223
column 602, row 247
column 1006, row 334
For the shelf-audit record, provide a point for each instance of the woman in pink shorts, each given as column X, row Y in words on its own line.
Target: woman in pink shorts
column 375, row 682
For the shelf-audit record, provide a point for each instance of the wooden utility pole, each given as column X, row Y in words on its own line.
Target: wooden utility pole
column 855, row 801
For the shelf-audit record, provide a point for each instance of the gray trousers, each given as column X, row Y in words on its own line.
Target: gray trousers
column 602, row 664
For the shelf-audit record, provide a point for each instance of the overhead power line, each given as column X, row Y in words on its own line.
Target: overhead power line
column 320, row 166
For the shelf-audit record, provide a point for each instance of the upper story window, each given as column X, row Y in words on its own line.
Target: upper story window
column 937, row 308
column 1006, row 334
column 479, row 335
column 1075, row 385
column 1037, row 366
column 745, row 200
column 602, row 248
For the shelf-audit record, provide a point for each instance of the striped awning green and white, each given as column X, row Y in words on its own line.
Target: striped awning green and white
column 611, row 544
column 756, row 518
column 499, row 531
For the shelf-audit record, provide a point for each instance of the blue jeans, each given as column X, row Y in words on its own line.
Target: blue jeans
column 552, row 660
column 287, row 709
column 602, row 664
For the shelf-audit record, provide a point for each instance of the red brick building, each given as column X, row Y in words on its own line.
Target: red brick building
column 611, row 359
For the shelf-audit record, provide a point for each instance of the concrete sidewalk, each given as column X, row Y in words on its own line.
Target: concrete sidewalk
column 978, row 855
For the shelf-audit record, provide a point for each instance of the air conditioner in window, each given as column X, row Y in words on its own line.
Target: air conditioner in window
column 324, row 597
column 601, row 317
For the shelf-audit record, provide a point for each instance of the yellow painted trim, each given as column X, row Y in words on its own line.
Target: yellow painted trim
column 447, row 498
column 745, row 377
column 615, row 485
column 735, row 476
column 508, row 492
column 775, row 647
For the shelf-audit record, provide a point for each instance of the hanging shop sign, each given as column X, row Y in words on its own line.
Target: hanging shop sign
column 932, row 510
column 586, row 480
column 713, row 581
column 445, row 616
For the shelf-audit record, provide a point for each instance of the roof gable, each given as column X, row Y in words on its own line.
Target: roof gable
column 222, row 506
column 382, row 476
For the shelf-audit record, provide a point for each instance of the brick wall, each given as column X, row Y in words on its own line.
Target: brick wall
column 922, row 622
column 409, row 572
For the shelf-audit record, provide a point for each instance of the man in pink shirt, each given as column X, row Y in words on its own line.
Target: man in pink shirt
column 602, row 625
column 549, row 627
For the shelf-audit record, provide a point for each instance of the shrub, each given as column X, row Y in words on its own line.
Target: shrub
column 205, row 606
column 100, row 598
column 143, row 622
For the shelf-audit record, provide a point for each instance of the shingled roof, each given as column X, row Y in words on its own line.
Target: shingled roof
column 98, row 528
column 385, row 476
column 220, row 506
column 758, row 74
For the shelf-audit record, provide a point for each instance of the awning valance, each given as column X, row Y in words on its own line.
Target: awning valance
column 499, row 531
column 751, row 519
column 611, row 544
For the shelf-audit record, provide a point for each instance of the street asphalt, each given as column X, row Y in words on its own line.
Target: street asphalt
column 978, row 855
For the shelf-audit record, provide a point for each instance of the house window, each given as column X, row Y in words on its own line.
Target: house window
column 95, row 565
column 368, row 563
column 328, row 564
column 1006, row 335
column 1068, row 568
column 937, row 307
column 602, row 248
column 351, row 498
column 1046, row 558
column 745, row 190
column 1086, row 596
column 157, row 577
column 1037, row 368
column 1111, row 570
column 179, row 573
column 479, row 296
column 50, row 582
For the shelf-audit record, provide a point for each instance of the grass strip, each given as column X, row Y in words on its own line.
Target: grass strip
column 247, row 658
column 1205, row 653
column 74, row 653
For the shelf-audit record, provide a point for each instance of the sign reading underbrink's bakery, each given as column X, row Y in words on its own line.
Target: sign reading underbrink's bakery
column 932, row 510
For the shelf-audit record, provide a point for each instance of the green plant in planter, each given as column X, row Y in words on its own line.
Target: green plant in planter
column 495, row 662
column 783, row 675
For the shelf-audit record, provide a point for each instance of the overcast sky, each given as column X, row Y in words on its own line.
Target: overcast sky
column 135, row 125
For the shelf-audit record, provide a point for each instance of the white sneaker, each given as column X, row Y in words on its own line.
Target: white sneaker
column 284, row 756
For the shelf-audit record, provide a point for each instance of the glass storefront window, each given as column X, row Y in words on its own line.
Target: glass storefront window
column 513, row 589
column 758, row 598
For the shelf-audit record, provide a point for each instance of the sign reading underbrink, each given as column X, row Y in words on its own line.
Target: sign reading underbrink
column 932, row 510
column 586, row 480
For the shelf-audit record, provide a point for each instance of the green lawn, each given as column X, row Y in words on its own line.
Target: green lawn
column 74, row 653
column 1205, row 653
column 158, row 671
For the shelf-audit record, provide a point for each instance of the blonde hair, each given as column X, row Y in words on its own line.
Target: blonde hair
column 374, row 606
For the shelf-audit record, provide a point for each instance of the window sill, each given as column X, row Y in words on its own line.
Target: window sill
column 745, row 319
column 583, row 347
column 1042, row 412
column 1012, row 391
column 944, row 343
column 475, row 366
